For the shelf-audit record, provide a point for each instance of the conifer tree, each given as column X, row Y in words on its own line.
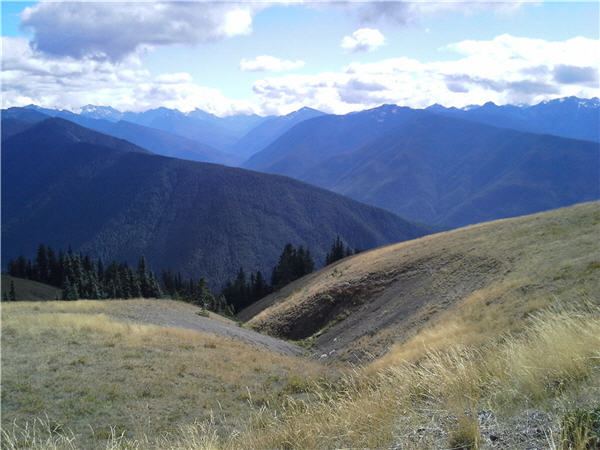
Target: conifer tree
column 41, row 267
column 337, row 251
column 12, row 294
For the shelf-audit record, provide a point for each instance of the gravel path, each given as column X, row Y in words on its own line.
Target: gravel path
column 174, row 315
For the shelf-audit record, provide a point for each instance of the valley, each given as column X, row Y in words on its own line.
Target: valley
column 247, row 225
column 470, row 335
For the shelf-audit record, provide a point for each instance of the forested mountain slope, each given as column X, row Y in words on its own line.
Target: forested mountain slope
column 65, row 185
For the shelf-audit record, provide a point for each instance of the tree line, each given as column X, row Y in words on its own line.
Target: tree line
column 293, row 264
column 243, row 291
column 80, row 276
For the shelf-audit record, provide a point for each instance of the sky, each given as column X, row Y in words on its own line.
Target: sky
column 276, row 57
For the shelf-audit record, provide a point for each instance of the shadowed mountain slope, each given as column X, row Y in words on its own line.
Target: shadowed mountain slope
column 571, row 117
column 65, row 185
column 315, row 140
column 157, row 141
column 270, row 129
column 436, row 169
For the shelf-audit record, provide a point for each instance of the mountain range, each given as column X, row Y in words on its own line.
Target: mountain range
column 443, row 166
column 570, row 117
column 156, row 140
column 434, row 168
column 63, row 185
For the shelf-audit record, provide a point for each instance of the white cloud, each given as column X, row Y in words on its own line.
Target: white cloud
column 266, row 63
column 114, row 30
column 364, row 39
column 29, row 76
column 409, row 12
column 506, row 69
column 174, row 78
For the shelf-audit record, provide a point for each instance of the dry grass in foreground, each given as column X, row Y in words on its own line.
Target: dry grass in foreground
column 98, row 376
column 511, row 362
column 467, row 397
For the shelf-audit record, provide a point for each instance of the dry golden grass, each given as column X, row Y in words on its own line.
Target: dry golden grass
column 88, row 371
column 525, row 341
column 527, row 264
column 551, row 362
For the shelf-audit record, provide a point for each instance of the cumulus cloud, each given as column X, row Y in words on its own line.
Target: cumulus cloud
column 115, row 30
column 576, row 75
column 363, row 40
column 267, row 63
column 409, row 12
column 29, row 76
column 506, row 69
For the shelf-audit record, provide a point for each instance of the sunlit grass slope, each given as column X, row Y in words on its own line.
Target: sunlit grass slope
column 87, row 372
column 502, row 350
column 465, row 287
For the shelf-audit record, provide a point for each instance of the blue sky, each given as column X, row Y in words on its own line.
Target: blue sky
column 190, row 55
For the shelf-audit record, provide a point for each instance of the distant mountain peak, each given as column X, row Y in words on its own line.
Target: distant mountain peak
column 101, row 112
column 303, row 111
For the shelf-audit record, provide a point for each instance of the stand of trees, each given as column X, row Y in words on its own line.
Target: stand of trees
column 339, row 251
column 79, row 276
column 195, row 292
column 11, row 295
column 243, row 291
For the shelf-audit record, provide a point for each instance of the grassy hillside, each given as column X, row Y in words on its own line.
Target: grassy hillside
column 474, row 283
column 501, row 351
column 200, row 219
column 30, row 290
column 93, row 374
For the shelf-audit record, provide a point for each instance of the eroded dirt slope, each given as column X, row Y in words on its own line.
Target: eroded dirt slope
column 356, row 309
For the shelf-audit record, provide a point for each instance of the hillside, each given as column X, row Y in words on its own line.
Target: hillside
column 489, row 336
column 571, row 117
column 104, row 197
column 99, row 369
column 478, row 281
column 436, row 169
column 157, row 141
column 29, row 289
column 268, row 130
column 313, row 141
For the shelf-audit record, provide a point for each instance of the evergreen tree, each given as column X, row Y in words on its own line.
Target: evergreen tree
column 143, row 279
column 12, row 294
column 284, row 272
column 337, row 251
column 70, row 291
column 54, row 267
column 260, row 288
column 153, row 287
column 42, row 265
